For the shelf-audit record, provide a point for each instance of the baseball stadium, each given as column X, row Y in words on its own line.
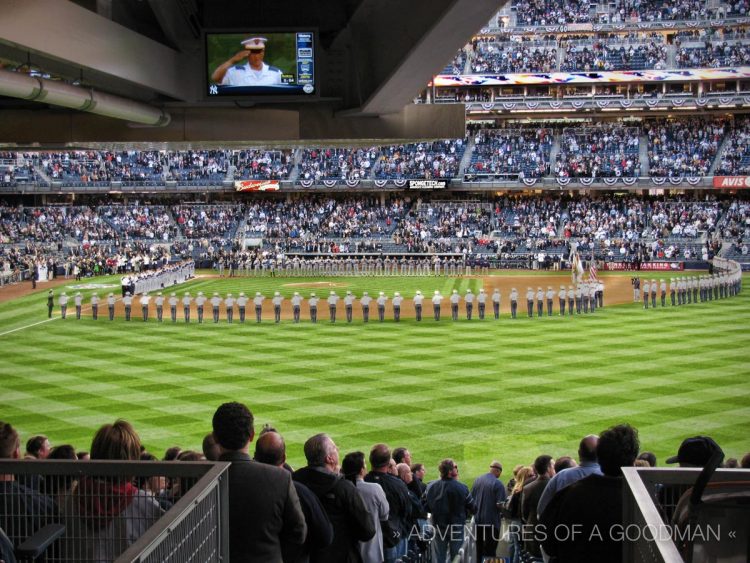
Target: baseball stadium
column 370, row 245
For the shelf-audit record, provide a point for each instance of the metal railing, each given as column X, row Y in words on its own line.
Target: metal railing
column 124, row 511
column 651, row 498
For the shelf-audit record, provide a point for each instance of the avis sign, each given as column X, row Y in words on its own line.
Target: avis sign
column 732, row 182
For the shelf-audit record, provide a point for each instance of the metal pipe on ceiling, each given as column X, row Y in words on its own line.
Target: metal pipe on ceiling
column 17, row 85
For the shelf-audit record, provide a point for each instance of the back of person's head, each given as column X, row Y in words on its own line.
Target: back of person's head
column 404, row 473
column 10, row 443
column 270, row 449
column 83, row 455
column 172, row 453
column 564, row 462
column 210, row 448
column 587, row 448
column 618, row 447
column 648, row 457
column 352, row 465
column 399, row 454
column 145, row 456
column 745, row 463
column 380, row 456
column 64, row 451
column 117, row 441
column 542, row 464
column 317, row 449
column 523, row 475
column 732, row 463
column 446, row 468
column 35, row 445
column 190, row 455
column 233, row 426
column 641, row 463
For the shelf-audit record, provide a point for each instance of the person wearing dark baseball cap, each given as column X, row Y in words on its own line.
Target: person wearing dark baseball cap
column 695, row 451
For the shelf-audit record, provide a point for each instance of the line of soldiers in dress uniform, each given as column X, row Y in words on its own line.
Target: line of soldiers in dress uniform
column 691, row 289
column 583, row 298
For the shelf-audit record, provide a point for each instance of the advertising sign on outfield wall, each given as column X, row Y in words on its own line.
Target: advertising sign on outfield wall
column 645, row 266
column 732, row 182
column 256, row 185
column 427, row 184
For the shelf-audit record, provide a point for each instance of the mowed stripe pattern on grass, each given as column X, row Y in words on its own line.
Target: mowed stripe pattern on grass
column 468, row 390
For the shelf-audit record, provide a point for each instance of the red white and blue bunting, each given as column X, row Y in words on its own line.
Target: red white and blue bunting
column 330, row 183
column 306, row 183
column 529, row 181
column 380, row 183
column 352, row 182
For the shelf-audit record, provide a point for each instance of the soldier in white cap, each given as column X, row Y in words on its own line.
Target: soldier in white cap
column 585, row 296
column 436, row 299
column 313, row 302
column 277, row 299
column 254, row 72
column 579, row 298
column 333, row 300
column 186, row 300
column 111, row 306
column 571, row 299
column 365, row 302
column 241, row 305
column 418, row 300
column 229, row 307
column 200, row 301
column 530, row 302
column 159, row 301
column 454, row 299
column 695, row 289
column 481, row 303
column 215, row 304
column 127, row 301
column 296, row 302
column 348, row 305
column 397, row 300
column 539, row 301
column 646, row 290
column 469, row 298
column 654, row 288
column 663, row 291
column 77, row 301
column 173, row 306
column 95, row 306
column 145, row 299
column 381, row 306
column 258, row 302
column 550, row 299
column 513, row 302
column 496, row 303
column 561, row 296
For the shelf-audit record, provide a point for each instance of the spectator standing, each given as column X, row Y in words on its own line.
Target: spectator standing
column 489, row 494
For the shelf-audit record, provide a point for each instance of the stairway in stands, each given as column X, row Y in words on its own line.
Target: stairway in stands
column 643, row 156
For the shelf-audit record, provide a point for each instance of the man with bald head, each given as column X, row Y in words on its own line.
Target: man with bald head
column 271, row 450
column 588, row 466
column 349, row 516
column 264, row 510
column 489, row 493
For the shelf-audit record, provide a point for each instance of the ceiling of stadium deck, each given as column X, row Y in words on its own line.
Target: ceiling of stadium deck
column 374, row 57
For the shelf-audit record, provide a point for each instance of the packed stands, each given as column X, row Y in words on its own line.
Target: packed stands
column 199, row 221
column 541, row 12
column 509, row 153
column 594, row 152
column 659, row 10
column 260, row 164
column 428, row 160
column 713, row 56
column 684, row 147
column 149, row 222
column 614, row 56
column 491, row 56
column 336, row 163
column 735, row 158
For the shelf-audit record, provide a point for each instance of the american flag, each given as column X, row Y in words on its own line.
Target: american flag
column 592, row 272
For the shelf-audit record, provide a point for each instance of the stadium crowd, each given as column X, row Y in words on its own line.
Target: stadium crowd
column 686, row 147
column 606, row 151
column 336, row 163
column 333, row 508
column 522, row 153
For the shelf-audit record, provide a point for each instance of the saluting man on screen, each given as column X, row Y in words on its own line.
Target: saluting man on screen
column 253, row 73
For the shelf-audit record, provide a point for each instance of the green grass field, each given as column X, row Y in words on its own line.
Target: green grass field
column 473, row 391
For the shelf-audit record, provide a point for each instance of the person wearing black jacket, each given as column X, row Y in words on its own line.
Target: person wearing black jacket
column 271, row 450
column 346, row 510
column 264, row 509
column 400, row 507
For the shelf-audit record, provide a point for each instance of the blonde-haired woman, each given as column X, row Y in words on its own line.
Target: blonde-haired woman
column 513, row 511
